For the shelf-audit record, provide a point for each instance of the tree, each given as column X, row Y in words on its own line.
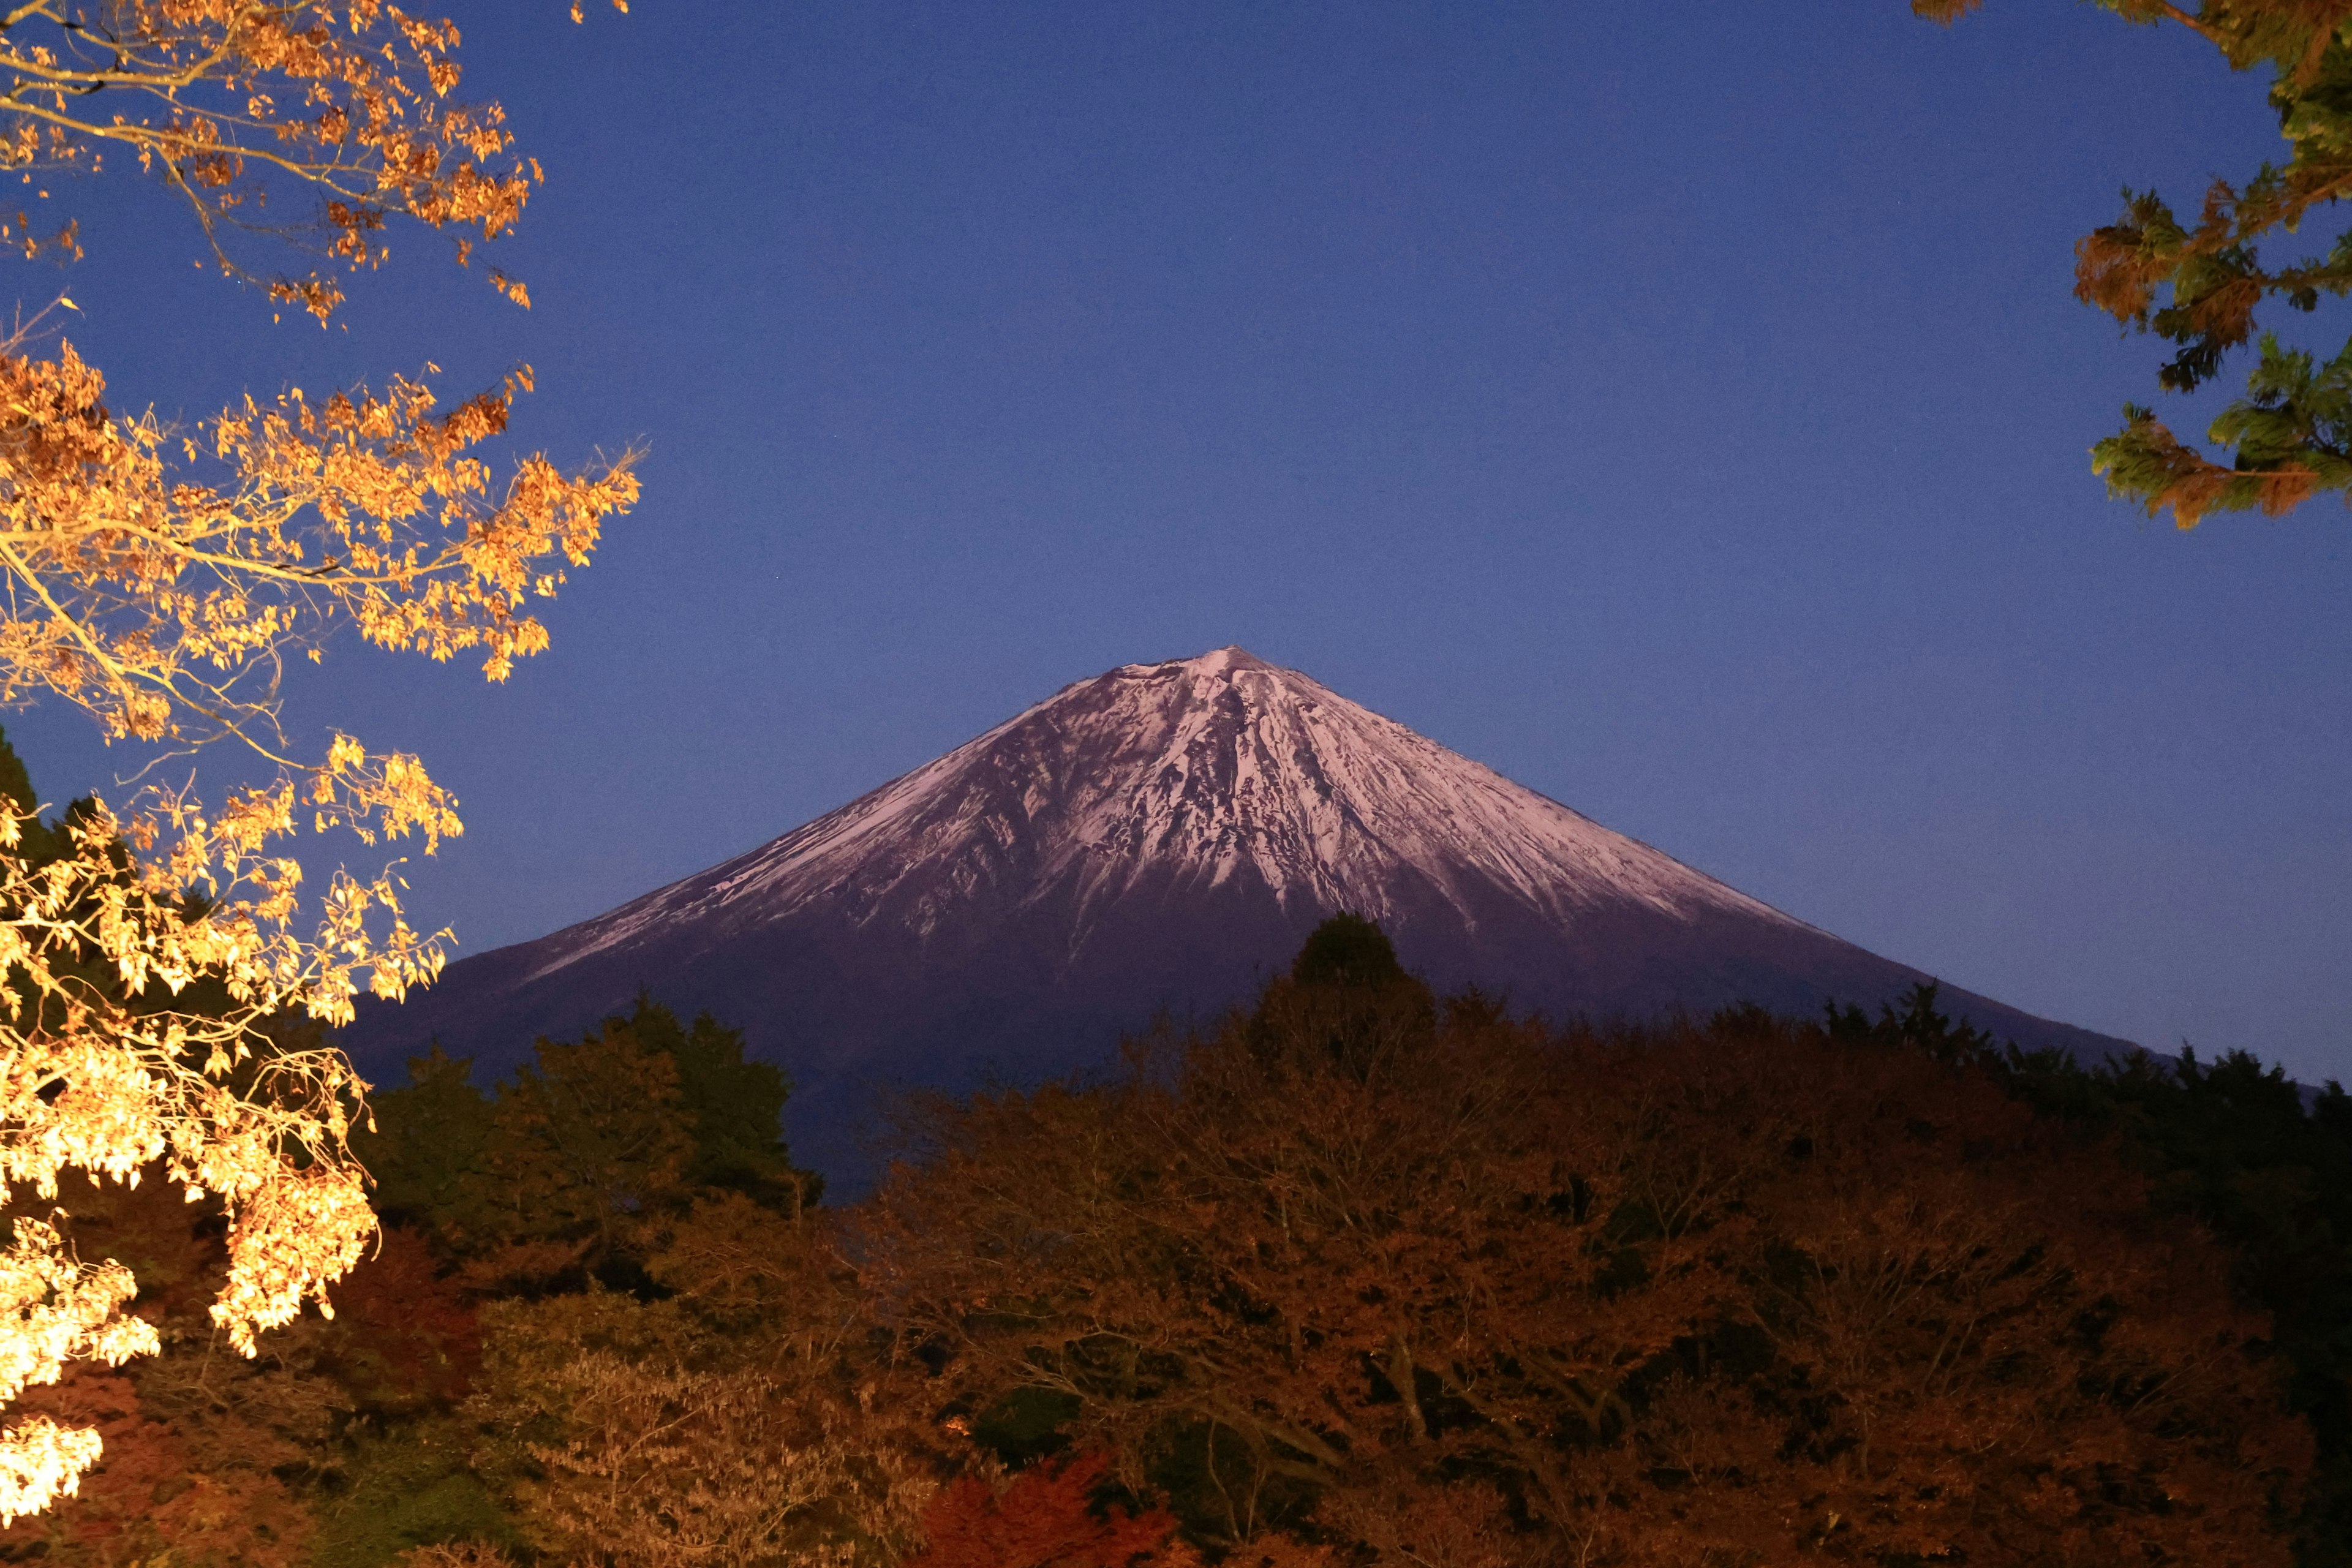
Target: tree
column 2263, row 1164
column 151, row 1497
column 706, row 1403
column 731, row 1418
column 160, row 583
column 1445, row 1289
column 671, row 1356
column 427, row 1146
column 660, row 1465
column 223, row 1459
column 2201, row 283
column 588, row 1154
column 1046, row 1518
column 2242, row 1151
column 587, row 1146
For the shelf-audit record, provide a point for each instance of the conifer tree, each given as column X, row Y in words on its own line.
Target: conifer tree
column 2266, row 1166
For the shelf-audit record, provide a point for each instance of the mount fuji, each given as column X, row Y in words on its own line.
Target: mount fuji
column 1164, row 836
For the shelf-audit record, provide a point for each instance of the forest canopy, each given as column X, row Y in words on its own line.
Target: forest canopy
column 1360, row 1276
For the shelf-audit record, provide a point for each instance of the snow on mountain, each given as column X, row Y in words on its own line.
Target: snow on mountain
column 1160, row 836
column 1213, row 768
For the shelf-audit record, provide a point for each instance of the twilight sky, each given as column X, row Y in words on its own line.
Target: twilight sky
column 1680, row 409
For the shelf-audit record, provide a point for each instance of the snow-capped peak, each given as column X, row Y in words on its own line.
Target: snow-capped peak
column 1200, row 772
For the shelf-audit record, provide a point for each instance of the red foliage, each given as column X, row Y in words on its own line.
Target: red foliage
column 402, row 1339
column 143, row 1501
column 1043, row 1520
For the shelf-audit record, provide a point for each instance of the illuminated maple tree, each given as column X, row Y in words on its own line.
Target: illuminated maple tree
column 161, row 580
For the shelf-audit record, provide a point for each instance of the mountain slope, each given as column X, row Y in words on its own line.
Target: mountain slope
column 1162, row 835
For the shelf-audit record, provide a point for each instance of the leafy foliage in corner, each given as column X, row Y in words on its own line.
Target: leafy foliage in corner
column 2202, row 280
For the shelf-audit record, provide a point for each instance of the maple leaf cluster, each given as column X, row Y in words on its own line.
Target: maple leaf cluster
column 162, row 582
column 346, row 101
column 1046, row 1515
column 2201, row 282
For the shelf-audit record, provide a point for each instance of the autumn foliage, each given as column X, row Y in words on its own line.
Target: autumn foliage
column 1359, row 1277
column 229, row 102
column 153, row 951
column 1420, row 1278
column 2202, row 280
column 1046, row 1517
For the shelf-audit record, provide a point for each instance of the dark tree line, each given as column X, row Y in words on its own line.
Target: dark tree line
column 2263, row 1164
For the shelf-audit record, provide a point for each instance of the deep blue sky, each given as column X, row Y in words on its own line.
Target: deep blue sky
column 1678, row 407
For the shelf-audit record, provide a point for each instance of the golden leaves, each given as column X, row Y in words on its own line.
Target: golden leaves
column 57, row 1310
column 111, row 1078
column 64, row 245
column 291, row 1238
column 159, row 580
column 223, row 98
column 161, row 594
column 39, row 1462
column 159, row 584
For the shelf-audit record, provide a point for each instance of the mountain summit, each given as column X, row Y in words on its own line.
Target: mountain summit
column 1160, row 836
